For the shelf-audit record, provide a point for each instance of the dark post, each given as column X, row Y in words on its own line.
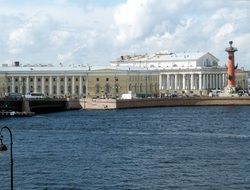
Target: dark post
column 4, row 148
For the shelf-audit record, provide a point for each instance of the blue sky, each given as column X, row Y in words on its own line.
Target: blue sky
column 94, row 32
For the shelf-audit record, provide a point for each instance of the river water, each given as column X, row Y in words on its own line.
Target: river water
column 153, row 148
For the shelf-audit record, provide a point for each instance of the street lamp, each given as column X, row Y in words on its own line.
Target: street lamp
column 3, row 147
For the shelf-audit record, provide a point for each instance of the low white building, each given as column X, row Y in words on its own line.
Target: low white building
column 197, row 72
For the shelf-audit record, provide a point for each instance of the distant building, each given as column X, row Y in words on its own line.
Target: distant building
column 78, row 81
column 144, row 75
column 196, row 72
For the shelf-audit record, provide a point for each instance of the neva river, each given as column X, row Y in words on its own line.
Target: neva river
column 192, row 148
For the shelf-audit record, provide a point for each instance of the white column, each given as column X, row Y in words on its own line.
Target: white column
column 58, row 86
column 73, row 85
column 176, row 82
column 20, row 85
column 80, row 86
column 204, row 81
column 200, row 82
column 43, row 85
column 164, row 81
column 27, row 85
column 168, row 82
column 219, row 81
column 160, row 82
column 214, row 82
column 87, row 85
column 65, row 85
column 210, row 81
column 192, row 82
column 184, row 81
column 50, row 86
column 35, row 84
column 12, row 84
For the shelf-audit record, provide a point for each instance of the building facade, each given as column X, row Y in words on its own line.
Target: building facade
column 78, row 82
column 192, row 72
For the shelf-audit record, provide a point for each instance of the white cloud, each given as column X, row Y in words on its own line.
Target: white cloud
column 131, row 20
column 95, row 33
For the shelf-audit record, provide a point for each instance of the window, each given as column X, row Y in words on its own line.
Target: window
column 84, row 89
column 16, row 89
column 54, row 89
column 151, row 88
column 69, row 89
column 117, row 87
column 107, row 79
column 61, row 79
column 97, row 88
column 47, row 90
column 46, row 79
column 77, row 89
column 77, row 79
column 39, row 88
column 130, row 87
column 135, row 87
column 62, row 89
column 97, row 79
column 39, row 79
column 107, row 89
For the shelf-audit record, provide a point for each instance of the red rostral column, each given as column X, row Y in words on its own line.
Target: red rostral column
column 230, row 65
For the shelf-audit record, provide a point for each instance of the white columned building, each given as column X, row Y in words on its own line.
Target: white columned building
column 199, row 72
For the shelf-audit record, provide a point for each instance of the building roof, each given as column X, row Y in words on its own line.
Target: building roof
column 163, row 56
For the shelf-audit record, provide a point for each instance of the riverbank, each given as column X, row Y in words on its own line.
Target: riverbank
column 163, row 102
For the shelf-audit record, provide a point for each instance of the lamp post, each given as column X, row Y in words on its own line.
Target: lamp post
column 3, row 147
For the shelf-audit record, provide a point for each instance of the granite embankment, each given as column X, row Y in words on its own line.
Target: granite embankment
column 164, row 102
column 195, row 101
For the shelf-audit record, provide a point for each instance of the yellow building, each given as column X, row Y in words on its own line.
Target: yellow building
column 79, row 81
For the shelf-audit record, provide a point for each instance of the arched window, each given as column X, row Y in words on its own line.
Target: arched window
column 62, row 89
column 156, row 87
column 31, row 88
column 54, row 89
column 16, row 89
column 135, row 88
column 77, row 90
column 151, row 88
column 84, row 89
column 117, row 87
column 130, row 87
column 97, row 88
column 69, row 89
column 107, row 88
column 47, row 90
column 39, row 88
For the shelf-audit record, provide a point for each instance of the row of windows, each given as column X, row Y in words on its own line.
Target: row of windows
column 54, row 89
column 136, row 88
column 31, row 79
column 107, row 79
